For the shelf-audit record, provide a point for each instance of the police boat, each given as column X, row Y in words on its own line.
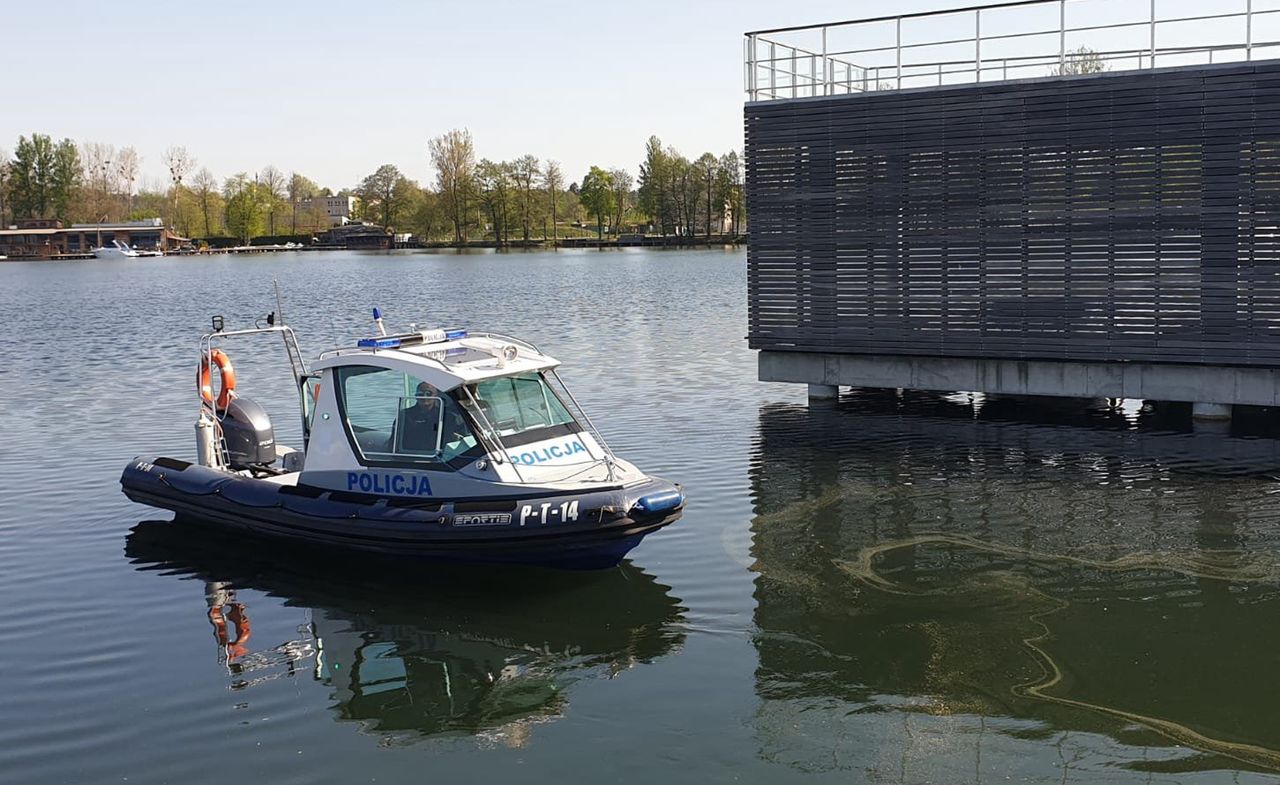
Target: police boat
column 440, row 444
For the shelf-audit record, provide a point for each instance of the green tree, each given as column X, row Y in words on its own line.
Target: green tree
column 204, row 186
column 5, row 179
column 427, row 216
column 301, row 191
column 654, row 198
column 43, row 176
column 67, row 175
column 246, row 207
column 553, row 181
column 732, row 196
column 274, row 184
column 524, row 174
column 496, row 186
column 706, row 170
column 150, row 204
column 679, row 188
column 621, row 184
column 453, row 155
column 596, row 193
column 385, row 194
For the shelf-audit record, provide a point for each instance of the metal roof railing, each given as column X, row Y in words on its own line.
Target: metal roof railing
column 1001, row 41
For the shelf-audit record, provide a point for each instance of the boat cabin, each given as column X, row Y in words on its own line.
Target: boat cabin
column 444, row 413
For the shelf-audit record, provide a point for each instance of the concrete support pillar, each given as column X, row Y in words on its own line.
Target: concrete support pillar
column 1210, row 411
column 823, row 392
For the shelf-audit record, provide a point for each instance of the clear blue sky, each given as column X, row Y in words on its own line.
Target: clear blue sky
column 332, row 90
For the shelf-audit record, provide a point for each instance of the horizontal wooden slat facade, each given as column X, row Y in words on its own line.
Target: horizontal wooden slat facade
column 1129, row 216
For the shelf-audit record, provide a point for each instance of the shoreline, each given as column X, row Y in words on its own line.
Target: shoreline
column 518, row 245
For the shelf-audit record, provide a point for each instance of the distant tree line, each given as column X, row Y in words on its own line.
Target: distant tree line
column 525, row 199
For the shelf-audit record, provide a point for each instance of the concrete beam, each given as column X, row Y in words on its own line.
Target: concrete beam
column 1192, row 383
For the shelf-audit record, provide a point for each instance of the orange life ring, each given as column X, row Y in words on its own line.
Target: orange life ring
column 236, row 647
column 205, row 380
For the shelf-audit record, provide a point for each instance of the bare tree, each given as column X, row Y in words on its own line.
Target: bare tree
column 1080, row 61
column 274, row 181
column 553, row 181
column 127, row 165
column 100, row 172
column 454, row 157
column 180, row 164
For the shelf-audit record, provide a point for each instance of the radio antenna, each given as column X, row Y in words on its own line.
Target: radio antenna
column 279, row 305
column 296, row 362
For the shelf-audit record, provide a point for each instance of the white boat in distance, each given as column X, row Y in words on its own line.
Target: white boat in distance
column 121, row 250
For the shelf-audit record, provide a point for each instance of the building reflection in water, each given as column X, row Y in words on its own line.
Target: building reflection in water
column 411, row 656
column 947, row 589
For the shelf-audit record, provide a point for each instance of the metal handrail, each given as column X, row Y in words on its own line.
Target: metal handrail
column 893, row 17
column 777, row 67
column 491, row 431
column 507, row 338
column 296, row 362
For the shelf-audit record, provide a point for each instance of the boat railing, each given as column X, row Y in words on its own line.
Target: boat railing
column 508, row 338
column 608, row 459
column 490, row 432
column 345, row 351
column 297, row 364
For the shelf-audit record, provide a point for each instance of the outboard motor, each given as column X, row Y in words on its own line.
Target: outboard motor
column 251, row 441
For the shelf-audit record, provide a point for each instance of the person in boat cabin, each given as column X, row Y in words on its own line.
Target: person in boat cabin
column 421, row 424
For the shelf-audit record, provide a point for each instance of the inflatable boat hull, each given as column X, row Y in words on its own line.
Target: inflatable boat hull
column 602, row 527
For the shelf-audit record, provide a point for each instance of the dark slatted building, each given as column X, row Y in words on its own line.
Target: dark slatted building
column 1084, row 225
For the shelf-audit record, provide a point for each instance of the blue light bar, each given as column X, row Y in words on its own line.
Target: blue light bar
column 378, row 343
column 411, row 339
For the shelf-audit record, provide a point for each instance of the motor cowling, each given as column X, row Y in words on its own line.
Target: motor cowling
column 247, row 431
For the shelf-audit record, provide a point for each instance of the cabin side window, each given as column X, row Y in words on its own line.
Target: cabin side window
column 395, row 418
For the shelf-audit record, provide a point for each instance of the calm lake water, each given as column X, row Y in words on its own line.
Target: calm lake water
column 904, row 589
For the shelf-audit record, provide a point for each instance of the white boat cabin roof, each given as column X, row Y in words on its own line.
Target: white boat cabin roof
column 445, row 358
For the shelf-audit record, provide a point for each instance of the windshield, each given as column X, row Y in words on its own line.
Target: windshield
column 522, row 408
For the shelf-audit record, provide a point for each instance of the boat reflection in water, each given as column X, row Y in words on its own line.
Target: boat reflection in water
column 489, row 654
column 1015, row 588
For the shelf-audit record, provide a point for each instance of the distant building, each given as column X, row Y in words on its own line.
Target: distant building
column 338, row 208
column 358, row 235
column 44, row 238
